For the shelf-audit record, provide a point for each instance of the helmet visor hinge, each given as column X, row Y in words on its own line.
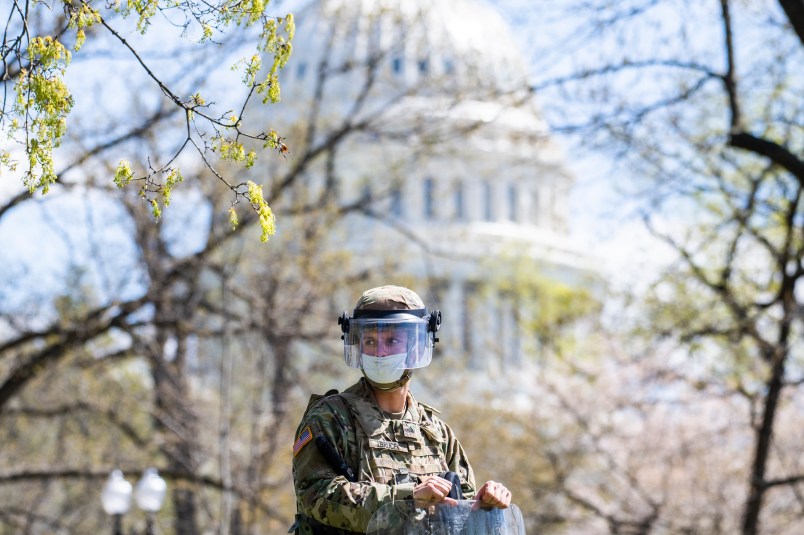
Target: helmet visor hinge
column 434, row 324
column 343, row 321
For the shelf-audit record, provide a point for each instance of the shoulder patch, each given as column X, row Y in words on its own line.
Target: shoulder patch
column 304, row 437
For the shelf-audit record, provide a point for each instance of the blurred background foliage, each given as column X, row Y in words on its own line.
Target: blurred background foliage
column 663, row 400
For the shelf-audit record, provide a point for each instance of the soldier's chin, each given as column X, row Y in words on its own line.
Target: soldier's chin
column 388, row 387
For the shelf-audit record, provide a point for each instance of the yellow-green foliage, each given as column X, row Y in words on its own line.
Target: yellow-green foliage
column 43, row 101
column 83, row 17
column 42, row 104
column 267, row 220
column 280, row 47
column 233, row 218
column 123, row 174
column 173, row 178
column 233, row 151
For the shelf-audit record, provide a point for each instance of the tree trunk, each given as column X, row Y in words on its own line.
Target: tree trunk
column 764, row 438
column 178, row 425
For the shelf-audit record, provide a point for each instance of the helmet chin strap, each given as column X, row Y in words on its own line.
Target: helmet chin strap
column 399, row 383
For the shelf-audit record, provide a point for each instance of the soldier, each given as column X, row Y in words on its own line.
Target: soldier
column 374, row 443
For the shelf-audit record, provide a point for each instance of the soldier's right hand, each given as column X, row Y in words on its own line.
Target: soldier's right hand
column 433, row 489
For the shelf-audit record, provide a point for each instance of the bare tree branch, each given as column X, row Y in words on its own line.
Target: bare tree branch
column 794, row 9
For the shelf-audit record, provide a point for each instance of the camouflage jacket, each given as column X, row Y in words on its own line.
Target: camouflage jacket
column 389, row 457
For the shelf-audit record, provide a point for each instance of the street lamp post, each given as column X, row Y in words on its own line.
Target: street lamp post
column 149, row 495
column 116, row 499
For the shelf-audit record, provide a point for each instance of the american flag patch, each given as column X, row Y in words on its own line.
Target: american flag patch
column 305, row 437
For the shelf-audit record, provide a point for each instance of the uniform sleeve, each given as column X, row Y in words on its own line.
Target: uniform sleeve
column 327, row 497
column 458, row 462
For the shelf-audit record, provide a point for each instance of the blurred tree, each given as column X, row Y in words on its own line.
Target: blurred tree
column 702, row 101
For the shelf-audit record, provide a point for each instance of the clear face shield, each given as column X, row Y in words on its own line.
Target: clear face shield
column 388, row 343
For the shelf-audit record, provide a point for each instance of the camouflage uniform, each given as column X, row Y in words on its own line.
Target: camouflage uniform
column 388, row 456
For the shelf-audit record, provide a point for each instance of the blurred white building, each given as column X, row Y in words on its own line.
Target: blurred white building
column 458, row 178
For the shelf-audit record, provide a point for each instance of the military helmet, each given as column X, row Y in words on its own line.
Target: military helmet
column 389, row 321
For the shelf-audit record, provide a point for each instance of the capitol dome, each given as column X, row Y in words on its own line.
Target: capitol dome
column 417, row 116
column 445, row 45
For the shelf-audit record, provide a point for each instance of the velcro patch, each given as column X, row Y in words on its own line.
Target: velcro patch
column 386, row 445
column 305, row 437
column 410, row 430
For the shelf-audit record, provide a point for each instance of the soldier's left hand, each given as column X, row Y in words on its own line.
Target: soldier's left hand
column 493, row 494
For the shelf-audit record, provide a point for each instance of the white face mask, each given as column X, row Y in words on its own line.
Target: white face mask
column 385, row 369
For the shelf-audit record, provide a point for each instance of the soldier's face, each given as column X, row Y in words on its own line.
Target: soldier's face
column 384, row 342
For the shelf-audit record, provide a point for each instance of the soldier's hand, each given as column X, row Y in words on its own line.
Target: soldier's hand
column 433, row 489
column 493, row 494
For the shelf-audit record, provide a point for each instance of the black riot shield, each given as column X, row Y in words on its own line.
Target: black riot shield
column 465, row 518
